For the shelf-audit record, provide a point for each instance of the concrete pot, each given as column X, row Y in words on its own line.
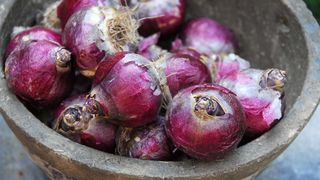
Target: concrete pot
column 273, row 33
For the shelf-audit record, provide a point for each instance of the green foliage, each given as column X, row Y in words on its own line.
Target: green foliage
column 314, row 6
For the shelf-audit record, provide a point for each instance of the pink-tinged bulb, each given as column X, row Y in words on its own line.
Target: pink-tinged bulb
column 68, row 7
column 126, row 87
column 207, row 37
column 149, row 49
column 224, row 66
column 164, row 16
column 98, row 32
column 40, row 73
column 100, row 135
column 183, row 71
column 261, row 95
column 84, row 123
column 30, row 34
column 147, row 143
column 205, row 121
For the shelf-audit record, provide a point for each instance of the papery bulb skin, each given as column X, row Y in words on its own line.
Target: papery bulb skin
column 149, row 49
column 147, row 143
column 275, row 79
column 40, row 73
column 183, row 71
column 225, row 65
column 68, row 7
column 77, row 100
column 207, row 37
column 261, row 95
column 164, row 16
column 49, row 18
column 98, row 32
column 29, row 34
column 75, row 120
column 127, row 87
column 191, row 52
column 205, row 121
column 177, row 45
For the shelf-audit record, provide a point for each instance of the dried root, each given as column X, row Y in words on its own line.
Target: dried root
column 158, row 66
column 50, row 18
column 123, row 29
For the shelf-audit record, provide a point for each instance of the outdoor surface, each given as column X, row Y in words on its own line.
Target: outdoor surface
column 300, row 161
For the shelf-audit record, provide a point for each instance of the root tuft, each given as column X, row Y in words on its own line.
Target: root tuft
column 123, row 29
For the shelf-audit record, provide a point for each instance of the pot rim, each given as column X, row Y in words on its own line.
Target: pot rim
column 241, row 160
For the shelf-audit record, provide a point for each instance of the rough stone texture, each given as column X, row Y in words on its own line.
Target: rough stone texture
column 271, row 33
column 302, row 159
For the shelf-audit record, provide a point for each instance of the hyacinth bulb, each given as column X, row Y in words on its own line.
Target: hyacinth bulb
column 182, row 71
column 206, row 36
column 205, row 121
column 147, row 143
column 83, row 123
column 127, row 90
column 23, row 35
column 163, row 16
column 95, row 33
column 261, row 94
column 67, row 8
column 40, row 73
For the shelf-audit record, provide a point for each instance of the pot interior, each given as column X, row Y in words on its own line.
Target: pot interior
column 268, row 34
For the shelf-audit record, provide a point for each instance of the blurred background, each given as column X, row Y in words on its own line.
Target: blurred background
column 300, row 161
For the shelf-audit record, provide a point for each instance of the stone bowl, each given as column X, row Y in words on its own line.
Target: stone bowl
column 273, row 33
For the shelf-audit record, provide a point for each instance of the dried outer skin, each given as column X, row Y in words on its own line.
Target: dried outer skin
column 89, row 36
column 147, row 143
column 164, row 16
column 68, row 7
column 33, row 73
column 149, row 49
column 183, row 71
column 34, row 33
column 207, row 37
column 263, row 107
column 224, row 66
column 126, row 86
column 191, row 52
column 77, row 100
column 202, row 136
